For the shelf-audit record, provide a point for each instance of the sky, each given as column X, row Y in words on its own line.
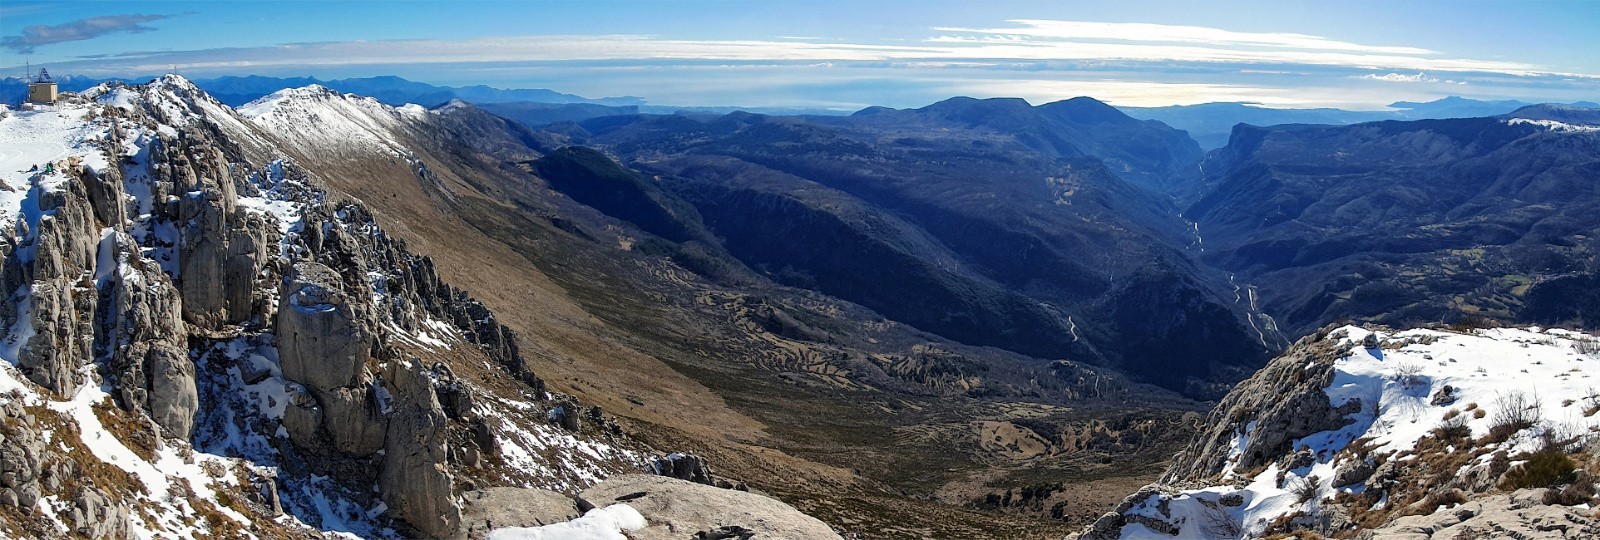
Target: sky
column 850, row 54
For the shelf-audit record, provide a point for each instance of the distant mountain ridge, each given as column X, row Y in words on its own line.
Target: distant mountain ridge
column 389, row 89
column 392, row 90
column 1211, row 123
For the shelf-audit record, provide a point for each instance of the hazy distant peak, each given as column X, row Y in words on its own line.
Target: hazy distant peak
column 1086, row 110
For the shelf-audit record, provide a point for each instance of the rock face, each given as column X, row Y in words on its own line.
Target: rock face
column 63, row 298
column 1286, row 402
column 679, row 509
column 494, row 508
column 416, row 481
column 1346, row 435
column 148, row 348
column 220, row 247
column 323, row 342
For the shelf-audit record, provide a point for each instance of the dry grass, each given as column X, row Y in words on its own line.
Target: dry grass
column 128, row 428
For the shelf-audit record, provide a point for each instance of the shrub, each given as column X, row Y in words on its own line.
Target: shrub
column 1453, row 428
column 1513, row 412
column 1580, row 491
column 1448, row 497
column 1548, row 467
column 1469, row 322
column 1305, row 489
column 1408, row 375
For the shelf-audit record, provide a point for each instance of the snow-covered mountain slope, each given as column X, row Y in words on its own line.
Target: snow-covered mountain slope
column 200, row 341
column 1354, row 428
column 316, row 119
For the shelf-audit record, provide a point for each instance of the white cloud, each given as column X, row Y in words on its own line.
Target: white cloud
column 1033, row 41
column 1134, row 64
column 1132, row 93
column 1144, row 32
column 1397, row 77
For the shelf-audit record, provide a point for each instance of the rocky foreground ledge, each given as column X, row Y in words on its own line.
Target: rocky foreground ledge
column 1377, row 433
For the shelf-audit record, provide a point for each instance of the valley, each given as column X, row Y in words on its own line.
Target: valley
column 975, row 319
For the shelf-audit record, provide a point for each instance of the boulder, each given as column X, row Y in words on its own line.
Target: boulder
column 493, row 508
column 1517, row 515
column 354, row 420
column 95, row 516
column 683, row 467
column 1354, row 471
column 678, row 509
column 174, row 400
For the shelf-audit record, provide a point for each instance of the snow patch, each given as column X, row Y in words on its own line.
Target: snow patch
column 1552, row 125
column 598, row 524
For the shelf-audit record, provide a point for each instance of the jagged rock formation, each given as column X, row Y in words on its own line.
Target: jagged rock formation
column 247, row 330
column 416, row 479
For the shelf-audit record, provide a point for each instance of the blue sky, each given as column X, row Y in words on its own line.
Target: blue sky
column 1350, row 54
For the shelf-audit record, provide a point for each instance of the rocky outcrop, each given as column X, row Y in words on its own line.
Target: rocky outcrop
column 682, row 466
column 494, row 508
column 416, row 480
column 95, row 516
column 220, row 248
column 174, row 400
column 678, row 509
column 22, row 455
column 62, row 299
column 1282, row 402
column 1522, row 514
column 148, row 348
column 324, row 344
column 162, row 275
column 1109, row 526
column 324, row 341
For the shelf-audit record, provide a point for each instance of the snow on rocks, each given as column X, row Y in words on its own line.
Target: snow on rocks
column 1552, row 125
column 1498, row 392
column 598, row 524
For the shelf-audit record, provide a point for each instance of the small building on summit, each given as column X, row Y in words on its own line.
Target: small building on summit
column 42, row 89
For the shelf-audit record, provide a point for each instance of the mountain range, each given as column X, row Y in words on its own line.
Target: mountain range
column 979, row 318
column 1211, row 123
